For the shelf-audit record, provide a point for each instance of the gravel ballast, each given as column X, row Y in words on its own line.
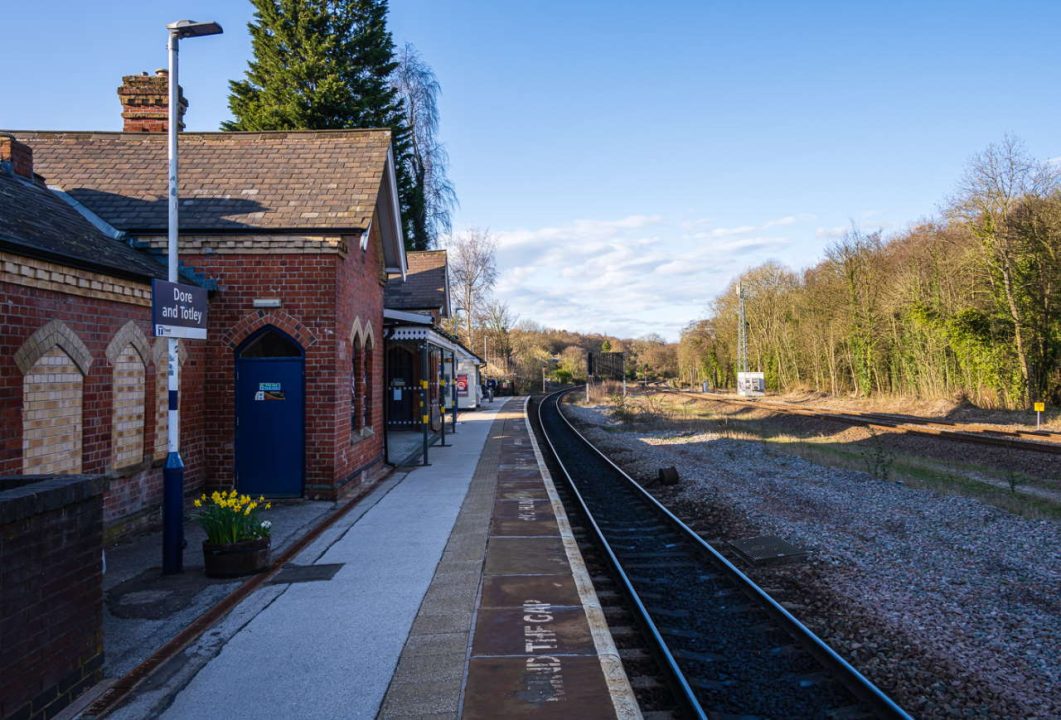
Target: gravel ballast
column 949, row 604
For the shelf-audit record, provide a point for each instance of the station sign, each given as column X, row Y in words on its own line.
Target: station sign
column 178, row 310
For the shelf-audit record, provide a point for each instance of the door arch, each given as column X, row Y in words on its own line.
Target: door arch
column 270, row 414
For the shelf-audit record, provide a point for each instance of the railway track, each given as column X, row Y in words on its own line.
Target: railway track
column 1044, row 441
column 728, row 649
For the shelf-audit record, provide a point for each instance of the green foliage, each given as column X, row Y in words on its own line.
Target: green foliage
column 969, row 306
column 324, row 64
column 228, row 517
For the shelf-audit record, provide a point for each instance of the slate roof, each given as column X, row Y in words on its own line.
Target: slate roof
column 36, row 222
column 324, row 180
column 425, row 283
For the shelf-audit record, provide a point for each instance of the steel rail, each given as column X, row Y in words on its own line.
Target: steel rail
column 677, row 676
column 860, row 686
column 1018, row 439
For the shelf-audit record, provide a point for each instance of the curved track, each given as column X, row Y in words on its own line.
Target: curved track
column 732, row 651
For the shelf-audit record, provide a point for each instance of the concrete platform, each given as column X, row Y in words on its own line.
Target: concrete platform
column 461, row 593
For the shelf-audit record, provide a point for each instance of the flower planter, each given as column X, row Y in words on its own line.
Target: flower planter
column 236, row 559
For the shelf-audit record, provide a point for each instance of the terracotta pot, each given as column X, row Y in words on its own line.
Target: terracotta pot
column 235, row 559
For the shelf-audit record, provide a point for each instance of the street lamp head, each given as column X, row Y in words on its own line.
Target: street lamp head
column 190, row 28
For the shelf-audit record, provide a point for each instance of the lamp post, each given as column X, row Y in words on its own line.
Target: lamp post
column 173, row 474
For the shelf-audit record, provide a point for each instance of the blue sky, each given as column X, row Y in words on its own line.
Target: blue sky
column 633, row 157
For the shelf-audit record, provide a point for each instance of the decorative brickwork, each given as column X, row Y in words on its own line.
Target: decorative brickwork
column 256, row 244
column 60, row 278
column 127, row 435
column 27, row 314
column 252, row 322
column 129, row 335
column 51, row 415
column 54, row 334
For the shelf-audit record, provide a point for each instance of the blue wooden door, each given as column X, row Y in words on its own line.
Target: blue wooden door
column 270, row 420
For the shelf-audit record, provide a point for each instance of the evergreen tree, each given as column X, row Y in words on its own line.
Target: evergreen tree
column 324, row 64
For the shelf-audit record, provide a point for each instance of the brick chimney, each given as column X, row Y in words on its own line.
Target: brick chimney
column 145, row 102
column 15, row 157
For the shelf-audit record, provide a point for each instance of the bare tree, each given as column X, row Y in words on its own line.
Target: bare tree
column 996, row 182
column 433, row 197
column 496, row 320
column 473, row 268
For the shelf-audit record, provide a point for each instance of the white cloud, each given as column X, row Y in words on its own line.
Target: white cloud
column 632, row 275
column 577, row 230
column 745, row 229
column 831, row 232
column 739, row 230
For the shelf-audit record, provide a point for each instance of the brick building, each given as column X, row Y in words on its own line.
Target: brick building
column 293, row 233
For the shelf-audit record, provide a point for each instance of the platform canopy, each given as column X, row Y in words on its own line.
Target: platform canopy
column 405, row 326
column 419, row 333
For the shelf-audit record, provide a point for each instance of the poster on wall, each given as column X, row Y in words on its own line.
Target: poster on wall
column 462, row 386
column 751, row 384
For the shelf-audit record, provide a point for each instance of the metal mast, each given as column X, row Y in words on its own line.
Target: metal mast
column 742, row 332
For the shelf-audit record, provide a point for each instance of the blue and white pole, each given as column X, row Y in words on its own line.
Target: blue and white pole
column 173, row 474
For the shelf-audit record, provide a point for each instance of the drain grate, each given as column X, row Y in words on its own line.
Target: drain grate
column 305, row 573
column 766, row 549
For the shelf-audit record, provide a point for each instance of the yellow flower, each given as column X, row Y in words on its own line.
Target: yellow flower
column 268, row 506
column 247, row 511
column 261, row 498
column 198, row 503
column 233, row 493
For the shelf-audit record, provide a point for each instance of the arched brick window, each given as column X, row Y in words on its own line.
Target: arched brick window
column 128, row 352
column 51, row 415
column 127, row 433
column 357, row 381
column 367, row 384
column 53, row 362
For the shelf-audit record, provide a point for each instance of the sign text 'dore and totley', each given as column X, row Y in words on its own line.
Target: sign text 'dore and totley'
column 178, row 310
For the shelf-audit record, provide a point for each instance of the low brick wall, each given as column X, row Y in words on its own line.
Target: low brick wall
column 51, row 592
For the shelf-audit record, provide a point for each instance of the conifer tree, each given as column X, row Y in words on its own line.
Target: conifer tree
column 323, row 64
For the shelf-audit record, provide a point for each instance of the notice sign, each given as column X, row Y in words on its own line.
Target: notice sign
column 462, row 386
column 751, row 384
column 178, row 310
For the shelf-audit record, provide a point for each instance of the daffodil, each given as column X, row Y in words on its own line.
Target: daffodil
column 198, row 503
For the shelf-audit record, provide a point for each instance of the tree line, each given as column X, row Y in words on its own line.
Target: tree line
column 964, row 305
column 522, row 351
